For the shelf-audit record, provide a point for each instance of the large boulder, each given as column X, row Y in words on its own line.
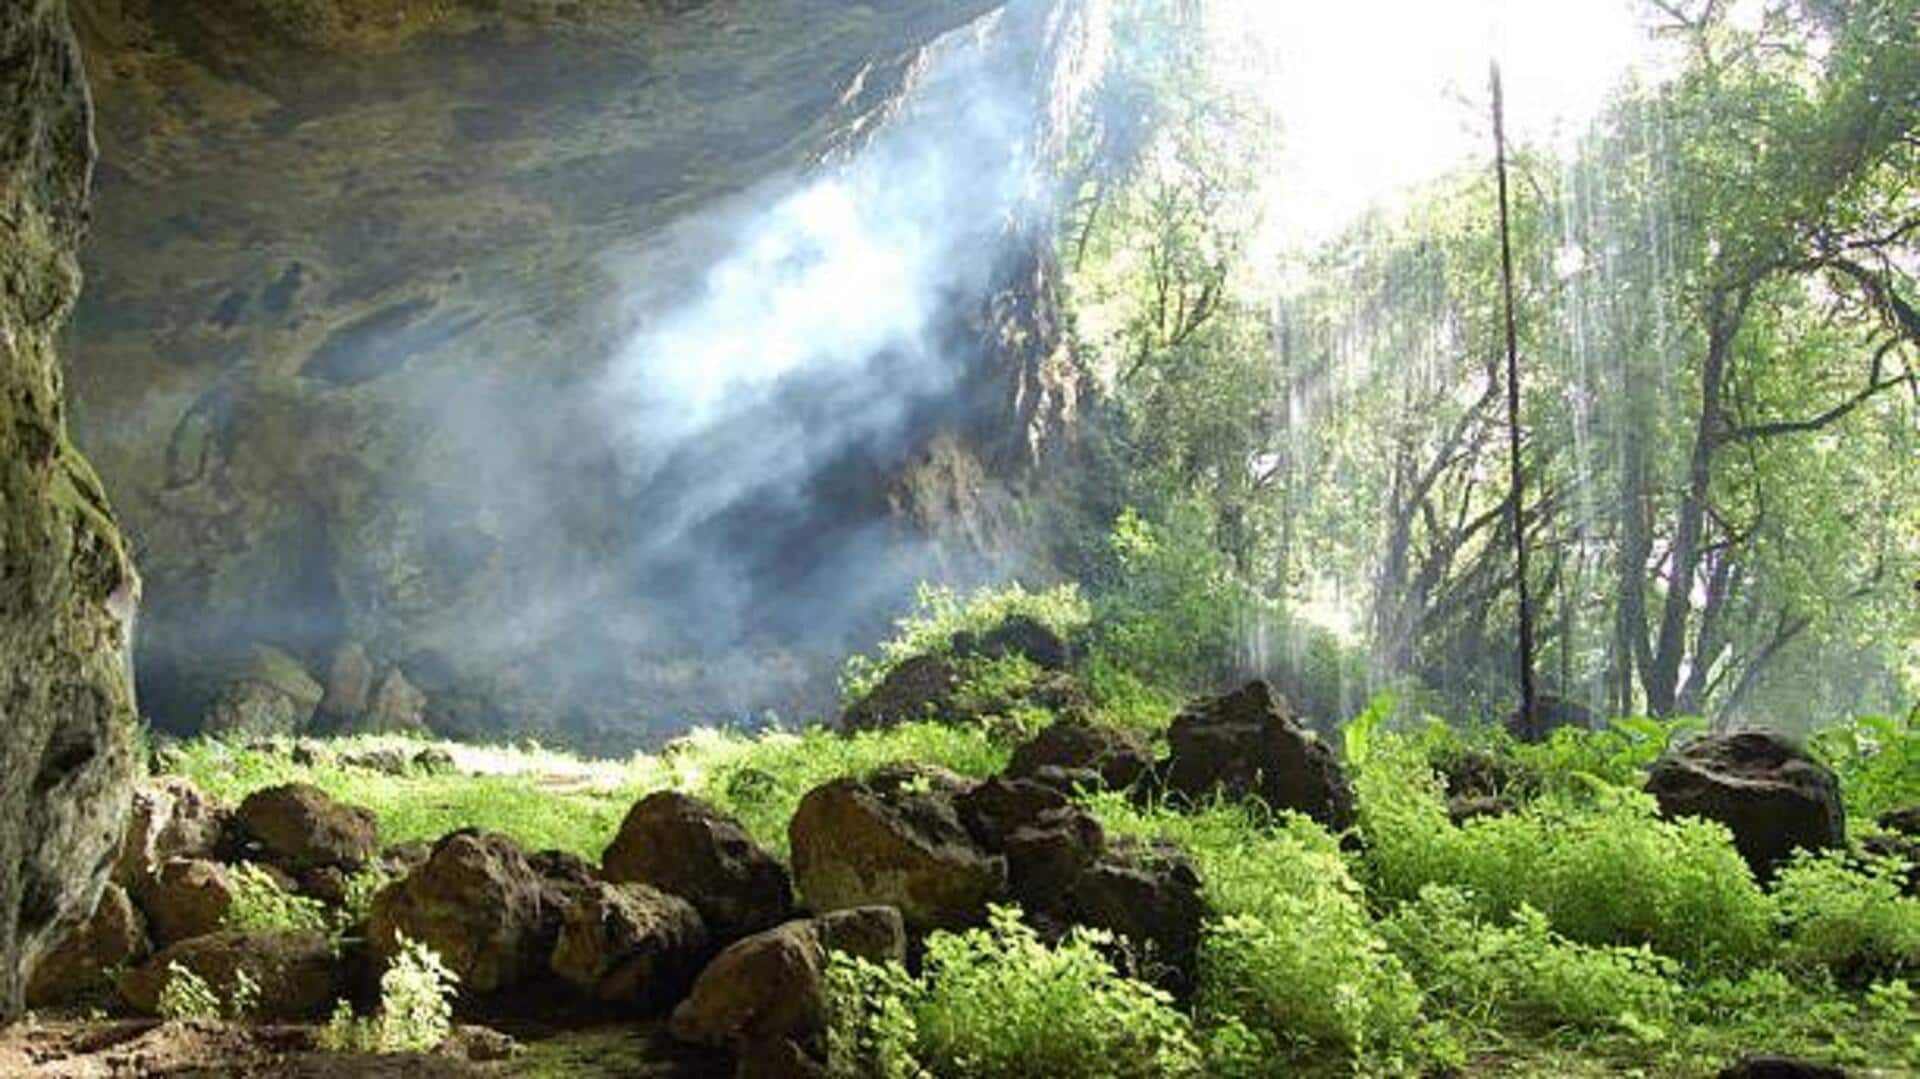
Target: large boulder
column 267, row 693
column 679, row 844
column 299, row 827
column 629, row 944
column 1247, row 744
column 764, row 998
column 1768, row 791
column 1082, row 754
column 893, row 840
column 917, row 688
column 1148, row 895
column 171, row 818
column 297, row 975
column 186, row 897
column 478, row 903
column 83, row 963
column 1017, row 635
column 68, row 589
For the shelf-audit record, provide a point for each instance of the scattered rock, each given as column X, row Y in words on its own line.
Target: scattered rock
column 764, row 998
column 478, row 903
column 892, row 841
column 1905, row 820
column 329, row 884
column 84, row 961
column 1462, row 808
column 187, row 897
column 298, row 827
column 1770, row 794
column 296, row 973
column 630, row 944
column 917, row 688
column 269, row 694
column 1247, row 744
column 1017, row 635
column 992, row 809
column 682, row 845
column 403, row 858
column 1148, row 894
column 1067, row 754
column 1762, row 1066
column 171, row 818
column 398, row 707
column 349, row 688
column 1901, row 848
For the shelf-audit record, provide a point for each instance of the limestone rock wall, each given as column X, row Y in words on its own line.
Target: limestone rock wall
column 353, row 265
column 67, row 587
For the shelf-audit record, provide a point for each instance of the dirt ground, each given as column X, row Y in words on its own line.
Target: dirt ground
column 111, row 1049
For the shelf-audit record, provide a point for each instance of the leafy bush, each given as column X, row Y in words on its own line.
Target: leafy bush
column 260, row 903
column 1524, row 971
column 1169, row 610
column 416, row 1008
column 940, row 612
column 1604, row 869
column 1294, row 957
column 1877, row 759
column 187, row 997
column 998, row 1002
column 1849, row 918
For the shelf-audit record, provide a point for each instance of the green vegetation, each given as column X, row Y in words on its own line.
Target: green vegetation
column 998, row 1003
column 416, row 1008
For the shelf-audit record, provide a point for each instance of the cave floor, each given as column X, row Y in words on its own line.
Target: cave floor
column 80, row 1048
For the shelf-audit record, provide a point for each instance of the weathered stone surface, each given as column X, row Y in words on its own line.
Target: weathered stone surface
column 994, row 808
column 764, row 997
column 1768, row 1066
column 1770, row 794
column 171, row 818
column 186, row 897
column 67, row 585
column 83, row 963
column 679, row 844
column 889, row 841
column 1247, row 744
column 299, row 827
column 1148, row 894
column 269, row 693
column 1111, row 757
column 478, row 903
column 918, row 688
column 1017, row 635
column 630, row 944
column 1905, row 820
column 297, row 974
column 398, row 706
column 349, row 687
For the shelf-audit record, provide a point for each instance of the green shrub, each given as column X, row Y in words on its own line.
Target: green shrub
column 1524, row 972
column 940, row 612
column 1604, row 869
column 1878, row 761
column 1294, row 957
column 1849, row 918
column 260, row 903
column 998, row 1002
column 1169, row 610
column 187, row 997
column 416, row 1008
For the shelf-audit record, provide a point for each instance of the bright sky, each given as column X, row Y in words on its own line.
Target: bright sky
column 1376, row 95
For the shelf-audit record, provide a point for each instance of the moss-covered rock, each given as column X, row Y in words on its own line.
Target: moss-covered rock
column 67, row 586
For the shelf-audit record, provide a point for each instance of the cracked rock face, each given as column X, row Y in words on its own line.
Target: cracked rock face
column 67, row 588
column 355, row 268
